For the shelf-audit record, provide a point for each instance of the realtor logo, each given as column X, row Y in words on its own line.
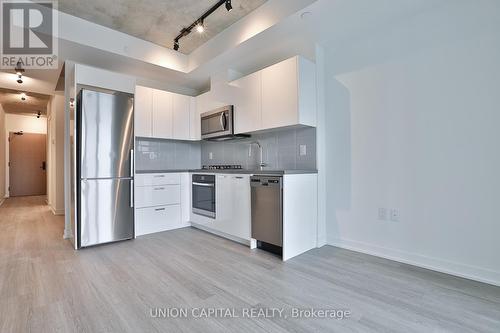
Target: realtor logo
column 28, row 34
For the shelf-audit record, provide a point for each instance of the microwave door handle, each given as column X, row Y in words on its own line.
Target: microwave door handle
column 223, row 120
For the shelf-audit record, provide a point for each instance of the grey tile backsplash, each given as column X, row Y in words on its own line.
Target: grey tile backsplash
column 281, row 150
column 158, row 154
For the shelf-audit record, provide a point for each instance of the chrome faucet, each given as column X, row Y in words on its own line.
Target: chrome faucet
column 261, row 164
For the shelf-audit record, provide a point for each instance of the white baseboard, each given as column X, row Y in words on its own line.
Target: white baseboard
column 68, row 234
column 435, row 264
column 221, row 234
column 2, row 201
column 57, row 211
column 321, row 241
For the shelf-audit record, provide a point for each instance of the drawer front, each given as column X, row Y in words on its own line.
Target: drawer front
column 152, row 179
column 159, row 195
column 157, row 219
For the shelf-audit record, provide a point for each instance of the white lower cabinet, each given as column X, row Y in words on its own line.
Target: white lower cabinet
column 156, row 219
column 147, row 196
column 233, row 210
column 160, row 202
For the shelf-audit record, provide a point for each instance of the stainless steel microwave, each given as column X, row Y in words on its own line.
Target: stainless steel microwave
column 217, row 124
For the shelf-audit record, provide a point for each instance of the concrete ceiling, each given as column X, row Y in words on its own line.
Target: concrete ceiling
column 12, row 103
column 159, row 21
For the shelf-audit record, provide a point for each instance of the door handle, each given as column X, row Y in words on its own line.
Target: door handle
column 44, row 166
column 131, row 163
column 132, row 193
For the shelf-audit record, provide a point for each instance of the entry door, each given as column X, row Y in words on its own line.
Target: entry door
column 27, row 157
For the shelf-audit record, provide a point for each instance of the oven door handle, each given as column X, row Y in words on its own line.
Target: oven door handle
column 203, row 184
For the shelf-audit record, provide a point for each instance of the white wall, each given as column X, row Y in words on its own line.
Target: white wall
column 414, row 125
column 2, row 154
column 55, row 154
column 16, row 123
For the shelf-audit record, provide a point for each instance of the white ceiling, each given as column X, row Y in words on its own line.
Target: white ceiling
column 274, row 31
column 12, row 103
column 159, row 21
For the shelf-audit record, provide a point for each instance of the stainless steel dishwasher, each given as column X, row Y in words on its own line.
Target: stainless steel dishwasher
column 267, row 212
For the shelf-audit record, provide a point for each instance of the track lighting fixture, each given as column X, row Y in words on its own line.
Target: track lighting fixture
column 39, row 113
column 198, row 24
column 19, row 71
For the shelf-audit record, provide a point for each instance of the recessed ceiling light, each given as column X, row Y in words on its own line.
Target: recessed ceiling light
column 305, row 15
column 19, row 71
column 23, row 96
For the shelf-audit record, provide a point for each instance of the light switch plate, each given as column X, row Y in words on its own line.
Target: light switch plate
column 395, row 215
column 303, row 150
column 382, row 214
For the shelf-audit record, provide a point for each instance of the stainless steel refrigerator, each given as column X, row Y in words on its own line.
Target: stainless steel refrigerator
column 105, row 167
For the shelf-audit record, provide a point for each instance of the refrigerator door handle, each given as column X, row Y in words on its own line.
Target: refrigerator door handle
column 131, row 163
column 132, row 193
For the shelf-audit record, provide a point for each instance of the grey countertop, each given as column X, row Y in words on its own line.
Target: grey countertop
column 240, row 171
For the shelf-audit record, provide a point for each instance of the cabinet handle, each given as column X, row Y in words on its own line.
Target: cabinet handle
column 159, row 188
column 238, row 177
column 159, row 209
column 159, row 176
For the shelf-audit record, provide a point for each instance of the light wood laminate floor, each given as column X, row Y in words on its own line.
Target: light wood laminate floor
column 46, row 286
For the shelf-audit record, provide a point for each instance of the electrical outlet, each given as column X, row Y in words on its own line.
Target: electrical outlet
column 303, row 150
column 210, row 156
column 382, row 214
column 395, row 215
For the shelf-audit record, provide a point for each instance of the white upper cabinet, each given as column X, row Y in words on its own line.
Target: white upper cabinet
column 165, row 115
column 206, row 102
column 162, row 114
column 194, row 120
column 143, row 111
column 281, row 95
column 181, row 117
column 248, row 103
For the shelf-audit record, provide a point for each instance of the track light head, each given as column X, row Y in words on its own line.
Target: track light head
column 229, row 7
column 176, row 45
column 200, row 27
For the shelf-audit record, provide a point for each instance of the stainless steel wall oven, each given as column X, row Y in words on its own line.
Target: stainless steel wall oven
column 203, row 195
